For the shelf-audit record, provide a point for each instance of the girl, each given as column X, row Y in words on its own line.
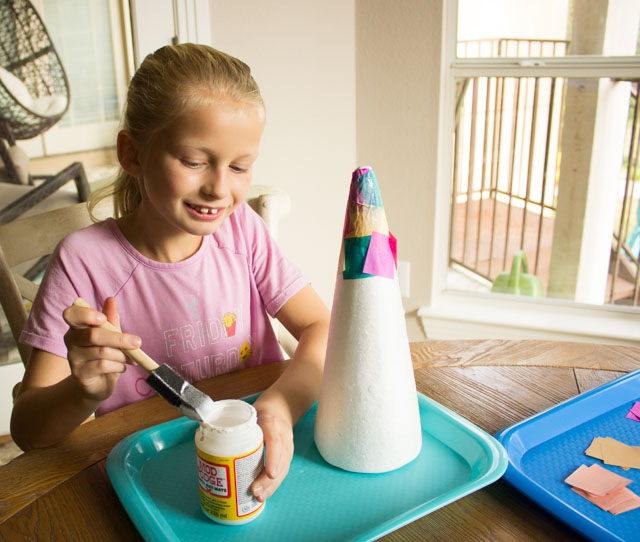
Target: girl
column 192, row 268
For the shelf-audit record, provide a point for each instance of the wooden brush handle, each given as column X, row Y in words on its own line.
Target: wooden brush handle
column 136, row 354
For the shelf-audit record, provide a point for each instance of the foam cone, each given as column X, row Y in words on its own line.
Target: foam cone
column 368, row 418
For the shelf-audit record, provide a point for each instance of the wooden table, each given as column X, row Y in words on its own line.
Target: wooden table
column 63, row 492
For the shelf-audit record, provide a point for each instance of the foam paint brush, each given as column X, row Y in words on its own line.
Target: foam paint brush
column 170, row 385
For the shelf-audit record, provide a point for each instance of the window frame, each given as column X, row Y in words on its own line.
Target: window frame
column 461, row 314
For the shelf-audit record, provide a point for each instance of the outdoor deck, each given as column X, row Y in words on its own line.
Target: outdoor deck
column 490, row 260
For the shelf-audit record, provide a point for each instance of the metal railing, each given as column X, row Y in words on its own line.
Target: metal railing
column 505, row 172
column 511, row 47
column 505, row 163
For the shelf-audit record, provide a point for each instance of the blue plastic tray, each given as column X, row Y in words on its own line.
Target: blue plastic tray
column 154, row 474
column 545, row 449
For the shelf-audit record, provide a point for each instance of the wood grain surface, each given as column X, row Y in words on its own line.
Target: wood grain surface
column 63, row 492
column 525, row 353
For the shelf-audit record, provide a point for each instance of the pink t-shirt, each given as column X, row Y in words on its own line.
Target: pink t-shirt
column 204, row 316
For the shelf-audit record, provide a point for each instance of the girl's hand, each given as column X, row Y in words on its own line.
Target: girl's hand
column 278, row 445
column 94, row 353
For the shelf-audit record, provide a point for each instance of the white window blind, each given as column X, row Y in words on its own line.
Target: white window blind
column 81, row 33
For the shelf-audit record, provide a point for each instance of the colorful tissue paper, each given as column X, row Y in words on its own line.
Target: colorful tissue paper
column 364, row 188
column 355, row 254
column 370, row 250
column 604, row 488
column 634, row 413
column 362, row 220
column 380, row 258
column 616, row 502
column 614, row 452
column 596, row 480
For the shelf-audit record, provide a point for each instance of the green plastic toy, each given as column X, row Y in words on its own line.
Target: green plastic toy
column 518, row 281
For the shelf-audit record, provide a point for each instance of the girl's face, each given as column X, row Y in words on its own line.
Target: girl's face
column 197, row 170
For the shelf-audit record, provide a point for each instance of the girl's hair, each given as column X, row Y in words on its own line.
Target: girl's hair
column 167, row 83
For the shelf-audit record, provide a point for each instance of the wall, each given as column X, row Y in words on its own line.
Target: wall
column 311, row 60
column 10, row 375
column 302, row 54
column 398, row 85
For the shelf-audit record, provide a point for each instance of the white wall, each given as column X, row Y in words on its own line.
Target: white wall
column 398, row 88
column 307, row 56
column 10, row 375
column 302, row 54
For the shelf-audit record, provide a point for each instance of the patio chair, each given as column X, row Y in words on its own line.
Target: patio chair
column 28, row 239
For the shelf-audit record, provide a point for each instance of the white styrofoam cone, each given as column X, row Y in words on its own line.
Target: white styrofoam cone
column 368, row 419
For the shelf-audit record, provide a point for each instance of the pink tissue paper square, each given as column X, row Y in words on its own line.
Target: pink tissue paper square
column 634, row 413
column 380, row 259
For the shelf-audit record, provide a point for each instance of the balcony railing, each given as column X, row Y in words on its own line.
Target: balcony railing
column 506, row 172
column 511, row 47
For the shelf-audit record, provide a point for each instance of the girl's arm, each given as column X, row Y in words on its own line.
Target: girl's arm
column 286, row 400
column 49, row 405
column 58, row 394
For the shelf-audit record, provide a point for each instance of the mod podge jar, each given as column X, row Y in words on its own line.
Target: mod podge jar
column 229, row 450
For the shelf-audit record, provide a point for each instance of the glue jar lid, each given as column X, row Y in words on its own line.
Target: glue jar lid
column 233, row 430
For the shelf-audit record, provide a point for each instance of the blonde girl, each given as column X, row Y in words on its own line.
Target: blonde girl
column 183, row 257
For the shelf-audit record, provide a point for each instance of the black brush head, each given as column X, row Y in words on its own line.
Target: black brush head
column 178, row 392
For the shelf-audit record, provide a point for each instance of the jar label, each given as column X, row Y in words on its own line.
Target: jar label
column 224, row 484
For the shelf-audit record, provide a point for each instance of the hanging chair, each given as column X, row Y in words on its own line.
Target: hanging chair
column 34, row 91
column 34, row 94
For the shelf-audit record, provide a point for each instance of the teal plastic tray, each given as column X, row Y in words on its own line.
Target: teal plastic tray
column 154, row 474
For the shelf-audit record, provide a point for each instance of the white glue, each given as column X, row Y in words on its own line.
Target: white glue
column 229, row 449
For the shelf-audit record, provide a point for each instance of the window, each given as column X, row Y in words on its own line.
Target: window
column 90, row 40
column 539, row 145
column 97, row 41
column 84, row 26
column 546, row 148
